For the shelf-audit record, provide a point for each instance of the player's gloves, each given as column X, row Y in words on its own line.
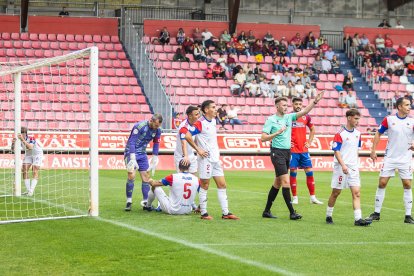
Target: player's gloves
column 153, row 164
column 132, row 164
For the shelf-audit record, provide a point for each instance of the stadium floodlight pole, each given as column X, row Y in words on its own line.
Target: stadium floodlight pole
column 94, row 127
column 17, row 191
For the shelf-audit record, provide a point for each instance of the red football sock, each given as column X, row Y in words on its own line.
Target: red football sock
column 310, row 182
column 293, row 185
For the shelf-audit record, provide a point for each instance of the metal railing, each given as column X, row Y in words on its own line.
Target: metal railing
column 335, row 39
column 139, row 54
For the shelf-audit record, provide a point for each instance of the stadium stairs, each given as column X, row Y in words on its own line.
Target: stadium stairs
column 364, row 92
column 121, row 100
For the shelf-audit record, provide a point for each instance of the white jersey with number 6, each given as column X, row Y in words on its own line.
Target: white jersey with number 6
column 183, row 189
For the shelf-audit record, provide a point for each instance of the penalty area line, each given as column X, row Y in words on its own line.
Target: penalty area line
column 308, row 243
column 200, row 247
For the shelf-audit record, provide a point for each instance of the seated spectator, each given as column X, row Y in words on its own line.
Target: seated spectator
column 252, row 89
column 221, row 117
column 180, row 55
column 269, row 38
column 242, row 37
column 410, row 48
column 273, row 89
column 236, row 69
column 63, row 12
column 180, row 36
column 348, row 83
column 347, row 41
column 326, row 65
column 257, row 47
column 305, row 78
column 164, row 37
column 251, row 38
column 219, row 71
column 351, row 100
column 250, row 76
column 286, row 77
column 408, row 58
column 223, row 62
column 410, row 68
column 240, row 49
column 401, row 51
column 381, row 75
column 398, row 67
column 399, row 25
column 198, row 52
column 384, row 24
column 290, row 87
column 356, row 42
column 409, row 96
column 221, row 46
column 188, row 45
column 321, row 40
column 297, row 41
column 209, row 57
column 342, row 100
column 197, row 36
column 335, row 65
column 298, row 73
column 276, row 77
column 329, row 54
column 310, row 41
column 299, row 89
column 207, row 38
column 395, row 98
column 232, row 116
column 380, row 43
column 225, row 36
column 209, row 72
column 282, row 89
column 240, row 79
column 364, row 41
column 324, row 47
column 389, row 45
column 268, row 50
column 231, row 49
column 233, row 38
column 317, row 65
column 264, row 87
column 231, row 61
column 310, row 91
column 291, row 49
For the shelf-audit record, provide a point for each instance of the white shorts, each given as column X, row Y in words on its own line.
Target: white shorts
column 165, row 204
column 193, row 164
column 404, row 170
column 33, row 160
column 207, row 169
column 342, row 181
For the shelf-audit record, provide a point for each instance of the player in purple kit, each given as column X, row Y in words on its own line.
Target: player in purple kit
column 136, row 158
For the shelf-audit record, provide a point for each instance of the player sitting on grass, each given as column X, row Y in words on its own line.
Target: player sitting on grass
column 33, row 158
column 183, row 189
column 346, row 173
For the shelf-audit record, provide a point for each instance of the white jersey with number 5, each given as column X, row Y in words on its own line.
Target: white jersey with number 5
column 400, row 137
column 183, row 189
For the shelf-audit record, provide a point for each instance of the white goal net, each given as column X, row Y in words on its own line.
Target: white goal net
column 49, row 137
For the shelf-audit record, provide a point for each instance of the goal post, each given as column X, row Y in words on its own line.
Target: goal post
column 56, row 99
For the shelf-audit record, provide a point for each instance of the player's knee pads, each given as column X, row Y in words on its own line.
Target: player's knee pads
column 309, row 173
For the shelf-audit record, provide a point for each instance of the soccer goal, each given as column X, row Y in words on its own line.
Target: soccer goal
column 52, row 172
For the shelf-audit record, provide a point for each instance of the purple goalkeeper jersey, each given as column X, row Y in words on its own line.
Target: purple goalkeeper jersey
column 141, row 135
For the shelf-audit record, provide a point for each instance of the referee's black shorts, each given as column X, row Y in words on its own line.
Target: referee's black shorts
column 280, row 160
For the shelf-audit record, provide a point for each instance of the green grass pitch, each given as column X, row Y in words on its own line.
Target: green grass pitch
column 138, row 243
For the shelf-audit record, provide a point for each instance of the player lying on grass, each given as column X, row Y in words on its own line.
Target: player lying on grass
column 32, row 159
column 346, row 172
column 183, row 189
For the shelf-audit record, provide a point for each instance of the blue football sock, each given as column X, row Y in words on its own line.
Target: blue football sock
column 129, row 188
column 145, row 189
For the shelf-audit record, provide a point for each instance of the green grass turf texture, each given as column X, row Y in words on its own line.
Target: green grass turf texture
column 255, row 245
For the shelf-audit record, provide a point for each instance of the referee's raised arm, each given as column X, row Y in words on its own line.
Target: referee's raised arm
column 311, row 105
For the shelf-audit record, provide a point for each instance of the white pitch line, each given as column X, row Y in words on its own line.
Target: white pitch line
column 306, row 243
column 200, row 247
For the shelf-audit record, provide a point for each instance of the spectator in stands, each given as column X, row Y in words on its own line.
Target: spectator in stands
column 242, row 37
column 282, row 89
column 310, row 91
column 164, row 37
column 273, row 89
column 277, row 66
column 219, row 71
column 252, row 89
column 221, row 117
column 240, row 49
column 335, row 65
column 356, row 42
column 264, row 87
column 380, row 43
column 63, row 12
column 221, row 47
column 408, row 58
column 188, row 45
column 257, row 47
column 317, row 65
column 384, row 24
column 364, row 41
column 341, row 100
column 291, row 49
column 180, row 36
column 286, row 77
column 395, row 98
column 197, row 36
column 231, row 61
column 231, row 49
column 321, row 40
column 180, row 54
column 276, row 77
column 269, row 38
column 207, row 38
column 389, row 45
column 240, row 80
column 225, row 36
column 299, row 89
column 290, row 87
column 348, row 83
column 399, row 25
column 209, row 57
column 310, row 41
column 297, row 41
column 198, row 52
column 401, row 51
column 324, row 46
column 410, row 48
column 232, row 116
column 326, row 65
column 223, row 62
column 251, row 38
column 351, row 100
column 329, row 54
column 209, row 72
column 410, row 68
column 305, row 78
column 268, row 50
column 298, row 73
column 398, row 67
column 382, row 75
